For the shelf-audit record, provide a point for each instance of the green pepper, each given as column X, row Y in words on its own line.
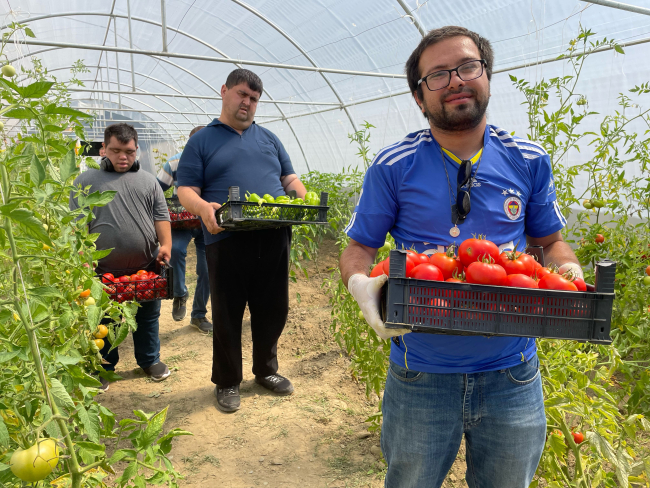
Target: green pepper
column 297, row 201
column 253, row 197
column 268, row 198
column 283, row 199
column 311, row 198
column 261, row 201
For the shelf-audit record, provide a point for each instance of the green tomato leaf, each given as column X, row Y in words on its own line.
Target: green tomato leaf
column 4, row 467
column 29, row 32
column 30, row 224
column 45, row 291
column 8, row 356
column 99, row 254
column 36, row 171
column 54, row 110
column 53, row 128
column 90, row 423
column 61, row 394
column 20, row 113
column 36, row 90
column 154, row 427
column 4, row 434
column 68, row 165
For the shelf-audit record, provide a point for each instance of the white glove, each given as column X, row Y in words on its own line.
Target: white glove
column 574, row 268
column 367, row 291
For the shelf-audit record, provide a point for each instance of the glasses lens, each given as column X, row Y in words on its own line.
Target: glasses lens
column 463, row 205
column 470, row 71
column 437, row 80
column 464, row 172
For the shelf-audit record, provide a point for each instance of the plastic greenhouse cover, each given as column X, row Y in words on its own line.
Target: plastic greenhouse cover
column 362, row 35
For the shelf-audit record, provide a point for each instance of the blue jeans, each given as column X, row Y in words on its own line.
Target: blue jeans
column 501, row 414
column 146, row 343
column 180, row 240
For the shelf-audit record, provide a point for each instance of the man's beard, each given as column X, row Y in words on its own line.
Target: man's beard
column 459, row 117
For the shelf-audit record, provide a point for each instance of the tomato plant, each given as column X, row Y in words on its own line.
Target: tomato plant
column 49, row 359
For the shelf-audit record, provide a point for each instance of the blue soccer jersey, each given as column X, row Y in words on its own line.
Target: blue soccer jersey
column 406, row 192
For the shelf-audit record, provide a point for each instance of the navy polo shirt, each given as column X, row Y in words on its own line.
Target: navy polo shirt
column 218, row 157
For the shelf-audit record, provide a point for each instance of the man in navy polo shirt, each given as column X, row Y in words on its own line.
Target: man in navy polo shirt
column 440, row 387
column 244, row 267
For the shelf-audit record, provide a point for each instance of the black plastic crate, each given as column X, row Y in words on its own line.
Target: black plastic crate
column 238, row 215
column 161, row 288
column 466, row 309
column 180, row 217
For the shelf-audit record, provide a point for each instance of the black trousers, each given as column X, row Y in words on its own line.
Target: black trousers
column 248, row 267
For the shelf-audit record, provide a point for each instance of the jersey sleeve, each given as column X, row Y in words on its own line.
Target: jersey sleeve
column 376, row 210
column 190, row 170
column 543, row 216
column 286, row 168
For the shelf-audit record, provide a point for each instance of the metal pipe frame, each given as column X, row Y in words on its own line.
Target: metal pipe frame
column 163, row 22
column 196, row 57
column 108, row 26
column 128, row 13
column 416, row 21
column 620, row 6
column 117, row 63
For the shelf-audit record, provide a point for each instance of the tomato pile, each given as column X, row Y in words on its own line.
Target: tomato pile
column 184, row 220
column 480, row 262
column 141, row 286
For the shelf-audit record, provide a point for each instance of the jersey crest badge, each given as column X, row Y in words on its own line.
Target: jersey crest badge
column 512, row 206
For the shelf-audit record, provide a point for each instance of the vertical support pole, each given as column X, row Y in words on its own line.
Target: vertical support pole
column 128, row 10
column 163, row 21
column 117, row 66
column 108, row 79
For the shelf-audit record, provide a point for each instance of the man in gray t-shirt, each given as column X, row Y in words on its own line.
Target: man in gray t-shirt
column 135, row 224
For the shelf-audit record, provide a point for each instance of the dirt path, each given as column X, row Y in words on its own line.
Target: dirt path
column 315, row 438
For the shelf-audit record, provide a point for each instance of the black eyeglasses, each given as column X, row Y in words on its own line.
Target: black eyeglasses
column 463, row 202
column 467, row 72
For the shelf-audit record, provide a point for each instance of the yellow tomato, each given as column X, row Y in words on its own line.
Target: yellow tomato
column 89, row 301
column 101, row 332
column 99, row 343
column 46, row 247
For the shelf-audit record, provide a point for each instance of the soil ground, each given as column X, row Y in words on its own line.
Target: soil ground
column 315, row 438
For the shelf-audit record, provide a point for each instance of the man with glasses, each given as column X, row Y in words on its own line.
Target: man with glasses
column 435, row 188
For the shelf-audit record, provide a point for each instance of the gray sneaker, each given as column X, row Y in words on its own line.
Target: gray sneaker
column 227, row 398
column 158, row 371
column 202, row 324
column 178, row 308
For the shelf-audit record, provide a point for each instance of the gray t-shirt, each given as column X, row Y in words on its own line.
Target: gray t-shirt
column 126, row 224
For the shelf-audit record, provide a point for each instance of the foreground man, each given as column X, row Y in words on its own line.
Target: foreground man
column 440, row 387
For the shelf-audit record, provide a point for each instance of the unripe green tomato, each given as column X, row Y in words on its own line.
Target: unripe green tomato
column 385, row 247
column 361, row 317
column 37, row 462
column 588, row 205
column 646, row 280
column 8, row 71
column 2, row 125
column 598, row 203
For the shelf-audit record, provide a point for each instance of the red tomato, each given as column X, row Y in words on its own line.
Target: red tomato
column 580, row 284
column 160, row 283
column 427, row 272
column 162, row 293
column 454, row 280
column 599, row 238
column 142, row 272
column 475, row 249
column 124, row 278
column 410, row 264
column 135, row 277
column 108, row 278
column 512, row 262
column 556, row 281
column 447, row 264
column 578, row 437
column 485, row 274
column 541, row 272
column 520, row 281
column 378, row 270
column 647, row 271
column 421, row 259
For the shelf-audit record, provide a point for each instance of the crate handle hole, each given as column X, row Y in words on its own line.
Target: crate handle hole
column 602, row 329
column 395, row 313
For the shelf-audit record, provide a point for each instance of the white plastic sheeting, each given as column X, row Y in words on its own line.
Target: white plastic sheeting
column 361, row 35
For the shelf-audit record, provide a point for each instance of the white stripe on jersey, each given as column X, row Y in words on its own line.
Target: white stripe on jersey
column 165, row 177
column 173, row 164
column 558, row 213
column 524, row 143
column 401, row 156
column 419, row 139
column 354, row 216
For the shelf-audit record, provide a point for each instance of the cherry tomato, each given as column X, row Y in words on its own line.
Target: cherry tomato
column 84, row 294
column 99, row 343
column 108, row 278
column 448, row 264
column 378, row 270
column 142, row 272
column 555, row 281
column 427, row 272
column 520, row 281
column 124, row 278
column 135, row 277
column 476, row 249
column 578, row 437
column 599, row 238
column 514, row 263
column 647, row 271
column 483, row 273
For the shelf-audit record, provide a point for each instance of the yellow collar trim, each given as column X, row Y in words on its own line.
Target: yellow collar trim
column 476, row 157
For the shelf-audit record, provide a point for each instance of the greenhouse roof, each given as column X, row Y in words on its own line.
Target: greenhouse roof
column 327, row 65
